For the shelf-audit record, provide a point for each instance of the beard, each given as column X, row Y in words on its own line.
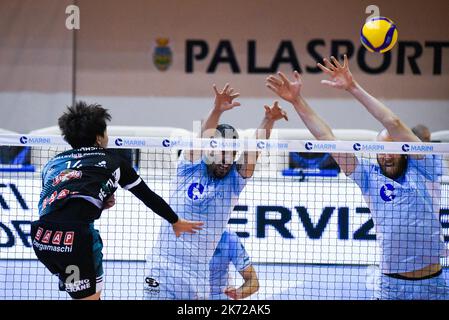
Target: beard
column 219, row 171
column 394, row 170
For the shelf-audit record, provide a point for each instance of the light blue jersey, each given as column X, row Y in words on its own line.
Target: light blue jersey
column 195, row 196
column 404, row 213
column 438, row 159
column 229, row 249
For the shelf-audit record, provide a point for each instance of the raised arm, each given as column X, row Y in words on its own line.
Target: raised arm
column 247, row 162
column 342, row 78
column 291, row 92
column 224, row 101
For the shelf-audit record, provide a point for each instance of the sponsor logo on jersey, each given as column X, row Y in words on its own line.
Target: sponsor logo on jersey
column 152, row 285
column 195, row 191
column 387, row 192
column 101, row 164
column 151, row 282
column 53, row 240
column 56, row 196
column 66, row 175
column 77, row 286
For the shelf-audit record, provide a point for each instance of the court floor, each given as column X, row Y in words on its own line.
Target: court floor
column 28, row 279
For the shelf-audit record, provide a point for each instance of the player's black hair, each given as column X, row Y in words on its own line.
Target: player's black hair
column 82, row 123
column 227, row 131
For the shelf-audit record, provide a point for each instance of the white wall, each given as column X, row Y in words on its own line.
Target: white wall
column 29, row 111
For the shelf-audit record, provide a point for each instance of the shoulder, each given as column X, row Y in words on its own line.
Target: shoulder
column 366, row 165
column 231, row 236
column 113, row 153
column 235, row 174
column 429, row 166
column 228, row 239
column 186, row 166
column 233, row 241
column 115, row 157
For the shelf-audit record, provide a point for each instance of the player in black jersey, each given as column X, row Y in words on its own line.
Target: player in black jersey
column 78, row 185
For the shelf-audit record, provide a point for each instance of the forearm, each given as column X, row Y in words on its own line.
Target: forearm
column 248, row 288
column 316, row 125
column 396, row 128
column 207, row 131
column 248, row 165
column 154, row 202
column 210, row 123
column 376, row 108
column 264, row 129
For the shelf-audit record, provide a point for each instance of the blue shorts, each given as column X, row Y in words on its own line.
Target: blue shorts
column 388, row 288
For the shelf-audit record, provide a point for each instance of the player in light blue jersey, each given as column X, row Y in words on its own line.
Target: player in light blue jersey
column 206, row 185
column 424, row 134
column 231, row 250
column 397, row 189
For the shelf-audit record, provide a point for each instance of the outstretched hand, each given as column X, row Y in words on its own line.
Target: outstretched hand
column 341, row 76
column 224, row 99
column 186, row 226
column 283, row 87
column 275, row 112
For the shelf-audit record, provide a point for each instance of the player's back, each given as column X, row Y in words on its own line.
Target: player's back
column 91, row 174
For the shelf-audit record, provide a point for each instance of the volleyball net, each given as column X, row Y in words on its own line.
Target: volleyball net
column 309, row 230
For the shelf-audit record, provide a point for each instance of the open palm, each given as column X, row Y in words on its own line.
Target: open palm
column 341, row 76
column 275, row 112
column 283, row 87
column 224, row 99
column 186, row 226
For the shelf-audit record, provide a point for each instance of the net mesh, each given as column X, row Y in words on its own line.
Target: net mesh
column 309, row 231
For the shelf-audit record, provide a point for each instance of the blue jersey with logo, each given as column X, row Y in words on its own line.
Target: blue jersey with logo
column 198, row 196
column 92, row 174
column 228, row 250
column 404, row 212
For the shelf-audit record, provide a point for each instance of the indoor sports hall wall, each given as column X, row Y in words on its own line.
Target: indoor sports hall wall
column 154, row 63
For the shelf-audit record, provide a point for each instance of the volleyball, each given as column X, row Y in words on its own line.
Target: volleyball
column 379, row 34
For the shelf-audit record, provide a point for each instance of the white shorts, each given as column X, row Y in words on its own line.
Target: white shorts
column 387, row 288
column 219, row 296
column 175, row 282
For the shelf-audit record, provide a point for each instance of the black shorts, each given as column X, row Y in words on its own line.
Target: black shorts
column 73, row 252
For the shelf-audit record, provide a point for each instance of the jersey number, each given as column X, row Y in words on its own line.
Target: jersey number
column 77, row 164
